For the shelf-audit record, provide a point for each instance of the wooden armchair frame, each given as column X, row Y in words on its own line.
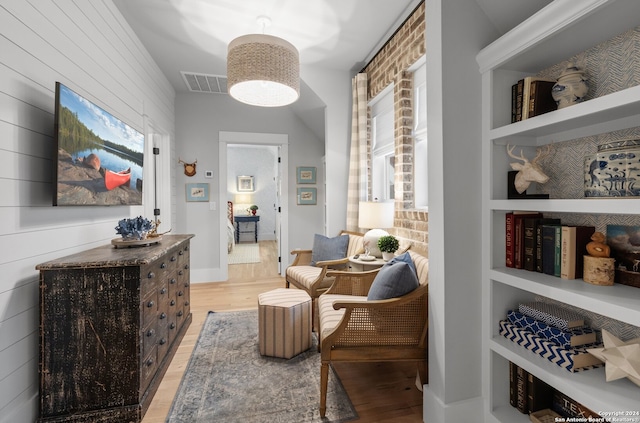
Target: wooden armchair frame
column 371, row 331
column 322, row 282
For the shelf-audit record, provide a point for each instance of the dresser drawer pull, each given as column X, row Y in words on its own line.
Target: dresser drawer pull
column 180, row 272
column 180, row 313
column 151, row 275
column 181, row 252
column 173, row 302
column 180, row 293
column 163, row 290
column 172, row 326
column 162, row 341
column 150, row 362
column 186, row 266
column 163, row 316
column 163, row 265
column 151, row 332
column 172, row 281
column 186, row 284
column 150, row 304
column 174, row 258
column 186, row 303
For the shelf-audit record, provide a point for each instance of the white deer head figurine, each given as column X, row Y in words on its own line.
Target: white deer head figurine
column 528, row 171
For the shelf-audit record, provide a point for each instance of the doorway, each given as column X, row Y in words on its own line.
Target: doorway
column 280, row 142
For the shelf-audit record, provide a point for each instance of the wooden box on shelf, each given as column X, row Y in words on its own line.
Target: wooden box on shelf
column 544, row 416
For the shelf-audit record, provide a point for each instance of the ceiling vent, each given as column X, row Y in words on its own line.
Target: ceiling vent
column 203, row 83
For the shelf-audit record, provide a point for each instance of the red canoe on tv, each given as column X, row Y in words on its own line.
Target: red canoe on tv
column 115, row 179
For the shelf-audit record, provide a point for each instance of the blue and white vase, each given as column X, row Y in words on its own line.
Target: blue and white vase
column 570, row 88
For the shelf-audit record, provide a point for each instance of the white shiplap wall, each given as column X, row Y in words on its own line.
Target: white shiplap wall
column 89, row 47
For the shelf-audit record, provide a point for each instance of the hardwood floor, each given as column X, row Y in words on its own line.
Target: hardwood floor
column 380, row 392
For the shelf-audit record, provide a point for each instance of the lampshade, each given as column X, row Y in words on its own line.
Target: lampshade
column 263, row 70
column 374, row 216
column 243, row 199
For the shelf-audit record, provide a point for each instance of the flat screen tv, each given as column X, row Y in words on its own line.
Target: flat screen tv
column 99, row 157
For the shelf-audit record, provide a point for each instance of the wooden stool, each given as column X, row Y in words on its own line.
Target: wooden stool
column 284, row 322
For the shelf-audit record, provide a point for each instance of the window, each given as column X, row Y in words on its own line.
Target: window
column 420, row 182
column 382, row 145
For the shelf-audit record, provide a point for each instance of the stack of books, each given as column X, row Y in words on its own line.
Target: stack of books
column 545, row 245
column 531, row 96
column 554, row 333
column 529, row 394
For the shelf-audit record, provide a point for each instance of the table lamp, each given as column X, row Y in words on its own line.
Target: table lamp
column 375, row 216
column 243, row 201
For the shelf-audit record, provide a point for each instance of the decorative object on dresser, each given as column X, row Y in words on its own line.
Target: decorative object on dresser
column 110, row 322
column 526, row 173
column 622, row 359
column 571, row 87
column 598, row 266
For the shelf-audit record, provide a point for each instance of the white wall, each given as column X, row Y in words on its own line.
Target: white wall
column 89, row 47
column 199, row 118
column 456, row 31
column 334, row 89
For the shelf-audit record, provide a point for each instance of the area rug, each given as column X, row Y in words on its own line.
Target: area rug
column 245, row 253
column 228, row 381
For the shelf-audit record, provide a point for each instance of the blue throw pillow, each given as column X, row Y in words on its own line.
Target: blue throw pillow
column 406, row 258
column 395, row 279
column 325, row 248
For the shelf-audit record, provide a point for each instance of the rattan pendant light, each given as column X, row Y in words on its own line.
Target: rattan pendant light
column 263, row 70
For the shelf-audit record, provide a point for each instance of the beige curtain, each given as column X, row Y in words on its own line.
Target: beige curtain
column 357, row 188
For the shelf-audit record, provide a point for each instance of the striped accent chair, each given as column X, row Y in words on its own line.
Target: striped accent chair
column 352, row 328
column 313, row 279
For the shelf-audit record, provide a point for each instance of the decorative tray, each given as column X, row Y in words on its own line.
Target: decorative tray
column 121, row 243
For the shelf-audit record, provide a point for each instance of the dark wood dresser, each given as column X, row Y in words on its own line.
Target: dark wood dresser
column 110, row 322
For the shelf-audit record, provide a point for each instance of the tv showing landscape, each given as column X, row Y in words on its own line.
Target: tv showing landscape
column 99, row 157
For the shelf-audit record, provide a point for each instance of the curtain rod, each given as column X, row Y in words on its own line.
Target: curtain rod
column 392, row 35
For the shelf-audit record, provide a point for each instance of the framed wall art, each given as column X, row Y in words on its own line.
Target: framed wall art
column 307, row 196
column 197, row 192
column 245, row 184
column 306, row 175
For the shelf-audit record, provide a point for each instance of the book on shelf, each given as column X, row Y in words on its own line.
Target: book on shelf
column 573, row 248
column 537, row 247
column 548, row 248
column 516, row 101
column 574, row 359
column 526, row 102
column 552, row 314
column 565, row 338
column 540, row 99
column 521, row 390
column 539, row 394
column 568, row 407
column 519, row 237
column 510, row 234
column 557, row 252
column 513, row 390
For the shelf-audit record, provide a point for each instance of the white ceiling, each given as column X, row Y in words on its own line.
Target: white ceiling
column 192, row 35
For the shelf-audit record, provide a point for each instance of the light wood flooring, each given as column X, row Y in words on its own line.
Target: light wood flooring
column 380, row 392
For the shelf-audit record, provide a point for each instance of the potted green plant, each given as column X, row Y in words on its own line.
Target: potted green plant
column 254, row 209
column 388, row 244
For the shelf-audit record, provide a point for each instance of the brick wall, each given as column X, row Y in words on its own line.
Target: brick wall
column 390, row 66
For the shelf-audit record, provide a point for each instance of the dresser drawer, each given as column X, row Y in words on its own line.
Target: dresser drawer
column 149, row 308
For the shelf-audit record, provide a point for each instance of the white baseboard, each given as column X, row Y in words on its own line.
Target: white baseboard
column 207, row 275
column 465, row 411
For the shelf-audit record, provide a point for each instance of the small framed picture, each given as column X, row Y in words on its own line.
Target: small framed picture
column 306, row 175
column 307, row 196
column 197, row 192
column 245, row 184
